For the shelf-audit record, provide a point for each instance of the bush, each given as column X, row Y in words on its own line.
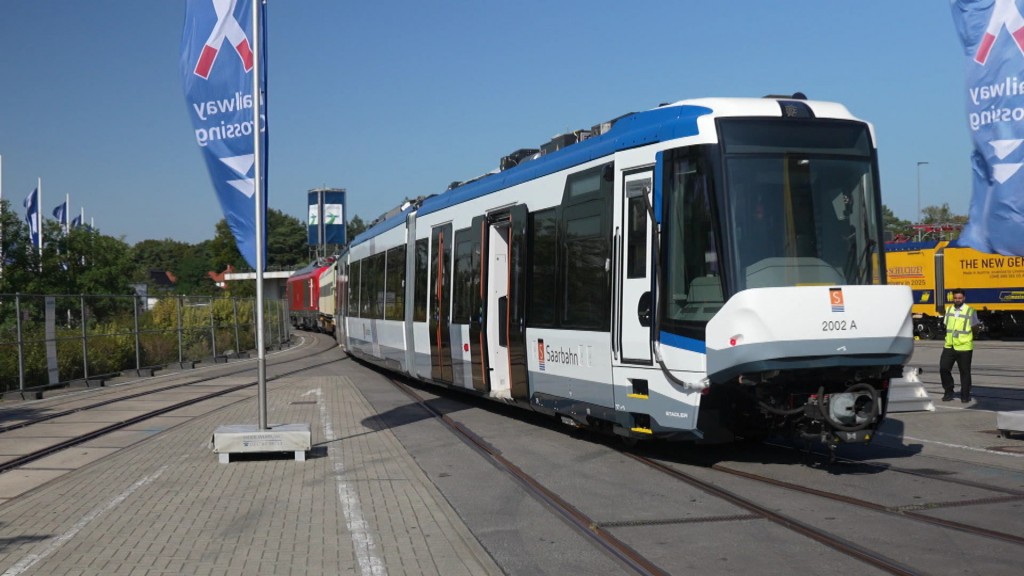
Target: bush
column 110, row 334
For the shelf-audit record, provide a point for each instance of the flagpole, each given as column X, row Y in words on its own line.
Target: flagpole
column 67, row 212
column 1, row 194
column 1, row 209
column 39, row 214
column 261, row 350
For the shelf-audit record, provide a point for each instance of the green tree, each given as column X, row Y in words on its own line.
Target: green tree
column 286, row 244
column 896, row 229
column 162, row 255
column 98, row 264
column 192, row 270
column 355, row 227
column 81, row 261
column 945, row 225
column 941, row 215
column 224, row 250
column 19, row 259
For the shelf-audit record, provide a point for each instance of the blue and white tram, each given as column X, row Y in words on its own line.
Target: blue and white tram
column 705, row 269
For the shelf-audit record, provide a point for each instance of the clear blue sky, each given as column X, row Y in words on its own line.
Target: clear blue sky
column 390, row 99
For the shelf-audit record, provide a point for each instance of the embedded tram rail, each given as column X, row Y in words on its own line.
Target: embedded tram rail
column 963, row 494
column 753, row 507
column 907, row 511
column 582, row 523
column 522, row 493
column 70, row 405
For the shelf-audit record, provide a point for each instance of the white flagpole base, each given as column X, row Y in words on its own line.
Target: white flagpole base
column 248, row 438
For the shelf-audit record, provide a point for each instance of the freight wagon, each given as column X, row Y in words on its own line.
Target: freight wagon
column 992, row 284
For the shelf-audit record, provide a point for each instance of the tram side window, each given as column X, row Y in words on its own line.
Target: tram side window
column 366, row 289
column 693, row 280
column 419, row 311
column 376, row 286
column 353, row 289
column 586, row 276
column 395, row 281
column 542, row 260
column 466, row 304
column 585, row 257
column 343, row 289
column 636, row 237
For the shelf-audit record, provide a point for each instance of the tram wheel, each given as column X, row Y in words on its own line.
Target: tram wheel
column 925, row 332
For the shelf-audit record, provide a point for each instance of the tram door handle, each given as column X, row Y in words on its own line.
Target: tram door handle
column 643, row 309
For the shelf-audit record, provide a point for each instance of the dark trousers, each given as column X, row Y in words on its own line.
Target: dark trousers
column 963, row 360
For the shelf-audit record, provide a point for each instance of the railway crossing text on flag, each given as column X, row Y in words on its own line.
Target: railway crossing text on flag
column 216, row 63
column 992, row 35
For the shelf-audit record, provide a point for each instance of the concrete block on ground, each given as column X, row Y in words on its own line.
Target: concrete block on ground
column 907, row 394
column 1009, row 422
column 249, row 438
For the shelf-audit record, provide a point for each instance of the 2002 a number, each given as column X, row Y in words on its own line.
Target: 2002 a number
column 838, row 325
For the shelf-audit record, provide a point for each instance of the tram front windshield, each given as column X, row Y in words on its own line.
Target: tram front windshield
column 799, row 202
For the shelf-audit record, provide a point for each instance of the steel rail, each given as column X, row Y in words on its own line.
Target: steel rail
column 912, row 514
column 865, row 555
column 916, row 473
column 583, row 524
column 108, row 402
column 71, row 442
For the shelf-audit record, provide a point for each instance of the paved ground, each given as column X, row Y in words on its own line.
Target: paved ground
column 359, row 505
column 363, row 503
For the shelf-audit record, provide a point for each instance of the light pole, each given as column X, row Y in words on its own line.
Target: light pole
column 919, row 215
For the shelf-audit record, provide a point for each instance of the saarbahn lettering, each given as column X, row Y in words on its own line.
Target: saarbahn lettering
column 562, row 356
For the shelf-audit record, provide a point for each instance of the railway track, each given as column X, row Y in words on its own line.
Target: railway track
column 911, row 511
column 579, row 521
column 752, row 507
column 126, row 395
column 599, row 534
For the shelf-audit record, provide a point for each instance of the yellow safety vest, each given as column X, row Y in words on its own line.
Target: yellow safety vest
column 958, row 328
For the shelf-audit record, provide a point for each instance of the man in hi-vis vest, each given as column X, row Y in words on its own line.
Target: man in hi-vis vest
column 960, row 321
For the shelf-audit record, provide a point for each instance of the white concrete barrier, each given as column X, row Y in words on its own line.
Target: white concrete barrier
column 1007, row 422
column 907, row 394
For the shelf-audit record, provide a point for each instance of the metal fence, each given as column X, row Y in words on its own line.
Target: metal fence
column 54, row 340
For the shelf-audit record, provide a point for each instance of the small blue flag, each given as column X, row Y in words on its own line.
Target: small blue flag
column 32, row 215
column 61, row 213
column 992, row 35
column 76, row 221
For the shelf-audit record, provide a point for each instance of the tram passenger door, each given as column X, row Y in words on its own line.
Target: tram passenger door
column 496, row 293
column 504, row 324
column 440, row 303
column 341, row 303
column 636, row 305
column 516, row 323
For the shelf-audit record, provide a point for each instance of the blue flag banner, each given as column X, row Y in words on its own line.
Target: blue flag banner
column 326, row 224
column 334, row 217
column 32, row 216
column 76, row 222
column 992, row 35
column 61, row 213
column 216, row 63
